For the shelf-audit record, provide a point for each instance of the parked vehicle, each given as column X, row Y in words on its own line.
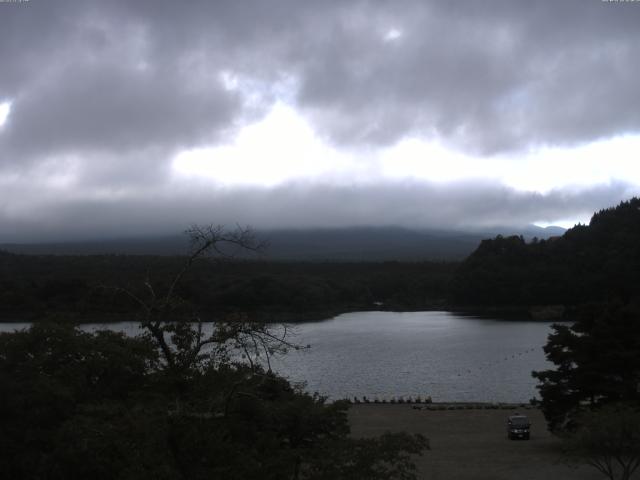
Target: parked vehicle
column 518, row 426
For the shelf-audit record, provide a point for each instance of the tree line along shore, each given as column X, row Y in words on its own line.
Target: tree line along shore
column 34, row 287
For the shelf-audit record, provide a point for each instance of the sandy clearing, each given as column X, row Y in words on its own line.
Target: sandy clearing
column 472, row 444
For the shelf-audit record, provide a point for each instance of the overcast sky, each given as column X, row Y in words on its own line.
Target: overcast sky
column 142, row 117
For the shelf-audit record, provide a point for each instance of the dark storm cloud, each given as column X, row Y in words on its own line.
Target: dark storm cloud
column 485, row 76
column 89, row 84
column 111, row 109
column 106, row 93
column 416, row 205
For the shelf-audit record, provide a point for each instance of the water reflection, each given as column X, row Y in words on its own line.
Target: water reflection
column 447, row 356
column 383, row 354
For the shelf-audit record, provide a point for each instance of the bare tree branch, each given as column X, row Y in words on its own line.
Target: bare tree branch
column 184, row 347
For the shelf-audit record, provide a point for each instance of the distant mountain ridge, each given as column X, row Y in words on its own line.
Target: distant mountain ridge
column 319, row 244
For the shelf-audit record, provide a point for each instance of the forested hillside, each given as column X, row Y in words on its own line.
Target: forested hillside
column 589, row 263
column 34, row 287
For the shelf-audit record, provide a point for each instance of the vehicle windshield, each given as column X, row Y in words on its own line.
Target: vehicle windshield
column 519, row 420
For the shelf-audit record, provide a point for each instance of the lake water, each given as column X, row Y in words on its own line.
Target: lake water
column 385, row 354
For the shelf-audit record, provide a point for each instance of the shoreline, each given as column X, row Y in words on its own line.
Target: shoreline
column 444, row 405
column 472, row 444
column 544, row 313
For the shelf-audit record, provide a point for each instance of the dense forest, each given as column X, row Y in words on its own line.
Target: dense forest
column 81, row 287
column 598, row 262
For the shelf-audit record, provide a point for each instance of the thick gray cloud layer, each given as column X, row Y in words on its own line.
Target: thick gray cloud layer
column 489, row 75
column 407, row 204
column 117, row 88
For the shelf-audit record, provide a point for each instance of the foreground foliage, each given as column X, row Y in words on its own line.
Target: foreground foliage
column 608, row 439
column 597, row 363
column 103, row 406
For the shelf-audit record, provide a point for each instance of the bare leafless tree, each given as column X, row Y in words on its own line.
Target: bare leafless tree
column 183, row 343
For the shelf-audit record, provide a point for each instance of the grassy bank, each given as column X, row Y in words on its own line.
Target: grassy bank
column 471, row 444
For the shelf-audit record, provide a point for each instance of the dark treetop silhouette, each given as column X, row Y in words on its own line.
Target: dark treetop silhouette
column 174, row 403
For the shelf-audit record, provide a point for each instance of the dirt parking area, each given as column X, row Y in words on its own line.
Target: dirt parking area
column 472, row 444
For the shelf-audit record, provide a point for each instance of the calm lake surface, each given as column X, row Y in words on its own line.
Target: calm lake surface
column 384, row 354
